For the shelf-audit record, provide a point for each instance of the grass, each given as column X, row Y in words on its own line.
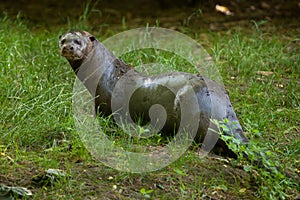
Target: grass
column 38, row 133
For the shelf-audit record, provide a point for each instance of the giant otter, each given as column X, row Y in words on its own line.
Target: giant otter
column 100, row 72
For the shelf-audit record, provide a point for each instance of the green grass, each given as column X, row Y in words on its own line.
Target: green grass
column 37, row 126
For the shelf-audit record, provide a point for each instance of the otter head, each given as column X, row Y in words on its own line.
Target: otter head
column 75, row 46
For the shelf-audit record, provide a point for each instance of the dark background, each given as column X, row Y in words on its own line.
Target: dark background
column 170, row 13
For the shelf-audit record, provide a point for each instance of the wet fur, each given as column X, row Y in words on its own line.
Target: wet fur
column 118, row 68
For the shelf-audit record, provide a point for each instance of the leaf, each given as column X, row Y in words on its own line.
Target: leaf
column 279, row 85
column 246, row 168
column 180, row 172
column 220, row 187
column 48, row 176
column 264, row 73
column 223, row 9
column 145, row 192
column 243, row 190
column 55, row 172
column 6, row 192
column 160, row 186
column 114, row 187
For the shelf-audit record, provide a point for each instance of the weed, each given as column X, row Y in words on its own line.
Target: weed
column 271, row 182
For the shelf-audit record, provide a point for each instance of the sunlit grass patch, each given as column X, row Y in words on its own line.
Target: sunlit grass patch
column 35, row 84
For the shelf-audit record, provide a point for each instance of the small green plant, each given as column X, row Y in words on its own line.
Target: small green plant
column 271, row 181
column 82, row 23
column 88, row 9
column 258, row 24
column 146, row 193
column 181, row 174
column 124, row 26
column 197, row 13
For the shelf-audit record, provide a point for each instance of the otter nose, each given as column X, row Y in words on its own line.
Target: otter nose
column 68, row 49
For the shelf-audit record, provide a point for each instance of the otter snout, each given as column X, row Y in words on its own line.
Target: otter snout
column 72, row 49
column 67, row 51
column 73, row 46
column 76, row 45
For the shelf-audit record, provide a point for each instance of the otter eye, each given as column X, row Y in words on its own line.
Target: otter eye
column 92, row 38
column 77, row 42
column 63, row 41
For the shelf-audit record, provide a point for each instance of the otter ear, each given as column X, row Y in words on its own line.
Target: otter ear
column 92, row 38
